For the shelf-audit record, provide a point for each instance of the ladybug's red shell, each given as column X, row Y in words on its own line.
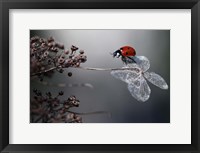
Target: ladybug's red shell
column 127, row 51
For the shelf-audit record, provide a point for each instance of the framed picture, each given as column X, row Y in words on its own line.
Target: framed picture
column 125, row 73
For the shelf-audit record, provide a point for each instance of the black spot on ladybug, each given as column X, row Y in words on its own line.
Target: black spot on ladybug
column 126, row 53
column 128, row 48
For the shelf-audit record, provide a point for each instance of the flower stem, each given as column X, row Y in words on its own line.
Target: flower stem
column 88, row 68
column 109, row 69
column 45, row 71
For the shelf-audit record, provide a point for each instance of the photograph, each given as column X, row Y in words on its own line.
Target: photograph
column 99, row 76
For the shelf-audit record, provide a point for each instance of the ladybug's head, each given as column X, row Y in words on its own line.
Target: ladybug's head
column 117, row 53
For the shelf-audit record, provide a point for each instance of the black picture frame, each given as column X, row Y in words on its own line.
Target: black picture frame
column 5, row 5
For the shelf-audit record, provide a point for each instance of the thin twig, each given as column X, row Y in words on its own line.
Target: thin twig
column 45, row 71
column 109, row 69
column 90, row 68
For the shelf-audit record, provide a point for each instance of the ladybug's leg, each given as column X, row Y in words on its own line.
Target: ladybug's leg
column 131, row 59
column 124, row 60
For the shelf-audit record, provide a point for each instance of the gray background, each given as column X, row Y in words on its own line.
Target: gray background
column 110, row 94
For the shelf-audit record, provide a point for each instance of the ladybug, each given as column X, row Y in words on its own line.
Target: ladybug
column 126, row 53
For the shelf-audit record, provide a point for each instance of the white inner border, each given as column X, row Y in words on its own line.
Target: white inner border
column 177, row 132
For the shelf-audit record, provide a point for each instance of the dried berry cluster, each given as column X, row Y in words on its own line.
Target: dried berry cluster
column 47, row 55
column 49, row 109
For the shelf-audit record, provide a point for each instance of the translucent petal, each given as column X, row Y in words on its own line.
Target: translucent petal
column 156, row 79
column 139, row 89
column 132, row 77
column 125, row 75
column 132, row 65
column 120, row 74
column 142, row 62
